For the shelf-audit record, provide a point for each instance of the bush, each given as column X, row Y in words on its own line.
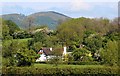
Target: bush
column 41, row 62
column 82, row 63
column 59, row 71
column 109, row 54
column 21, row 35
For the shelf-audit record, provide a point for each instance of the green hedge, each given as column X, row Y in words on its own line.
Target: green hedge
column 82, row 63
column 58, row 71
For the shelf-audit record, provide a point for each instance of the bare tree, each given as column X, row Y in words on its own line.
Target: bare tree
column 30, row 22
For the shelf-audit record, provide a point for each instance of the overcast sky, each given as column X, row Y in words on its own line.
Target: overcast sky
column 72, row 8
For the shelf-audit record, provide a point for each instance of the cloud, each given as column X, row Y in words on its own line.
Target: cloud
column 8, row 8
column 73, row 8
column 35, row 0
column 77, row 5
column 57, row 0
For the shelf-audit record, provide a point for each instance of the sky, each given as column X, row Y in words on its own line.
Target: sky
column 71, row 8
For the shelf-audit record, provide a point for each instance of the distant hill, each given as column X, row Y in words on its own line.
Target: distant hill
column 50, row 18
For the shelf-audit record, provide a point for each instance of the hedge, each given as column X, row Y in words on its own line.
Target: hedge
column 72, row 62
column 82, row 63
column 58, row 71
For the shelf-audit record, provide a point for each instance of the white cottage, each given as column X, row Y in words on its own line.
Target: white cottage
column 45, row 53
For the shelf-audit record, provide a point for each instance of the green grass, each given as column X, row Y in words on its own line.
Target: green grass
column 66, row 66
column 23, row 41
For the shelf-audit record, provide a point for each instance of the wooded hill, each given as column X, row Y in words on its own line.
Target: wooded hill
column 50, row 19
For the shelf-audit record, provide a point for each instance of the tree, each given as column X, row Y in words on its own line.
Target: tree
column 0, row 28
column 12, row 27
column 39, row 40
column 78, row 54
column 24, row 57
column 110, row 53
column 114, row 25
column 5, row 31
column 30, row 22
column 8, row 52
column 17, row 54
column 39, row 36
column 93, row 42
column 57, row 57
column 101, row 25
column 37, row 46
column 70, row 31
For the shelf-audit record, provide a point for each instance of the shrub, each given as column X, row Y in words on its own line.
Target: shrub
column 109, row 55
column 82, row 63
column 59, row 71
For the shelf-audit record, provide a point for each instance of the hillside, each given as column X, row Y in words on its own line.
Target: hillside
column 17, row 18
column 50, row 18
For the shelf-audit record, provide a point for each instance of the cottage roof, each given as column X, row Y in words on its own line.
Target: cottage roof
column 47, row 51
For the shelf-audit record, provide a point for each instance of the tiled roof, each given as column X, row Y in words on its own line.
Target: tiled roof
column 47, row 51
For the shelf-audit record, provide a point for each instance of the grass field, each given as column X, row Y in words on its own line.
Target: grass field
column 7, row 42
column 67, row 66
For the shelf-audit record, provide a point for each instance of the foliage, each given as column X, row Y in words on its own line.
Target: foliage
column 81, row 70
column 70, row 31
column 22, row 35
column 82, row 63
column 38, row 41
column 112, row 36
column 17, row 54
column 0, row 28
column 41, row 27
column 37, row 46
column 97, row 35
column 12, row 26
column 110, row 53
column 87, row 59
column 78, row 54
column 93, row 42
column 56, row 59
column 25, row 57
column 39, row 37
column 5, row 31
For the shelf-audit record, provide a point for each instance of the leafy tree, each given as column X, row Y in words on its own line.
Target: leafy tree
column 39, row 36
column 24, row 57
column 93, row 42
column 101, row 25
column 79, row 53
column 38, row 41
column 0, row 28
column 12, row 27
column 8, row 52
column 30, row 22
column 112, row 36
column 87, row 59
column 114, row 26
column 37, row 46
column 70, row 31
column 5, row 31
column 110, row 53
column 22, row 35
column 17, row 54
column 57, row 57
